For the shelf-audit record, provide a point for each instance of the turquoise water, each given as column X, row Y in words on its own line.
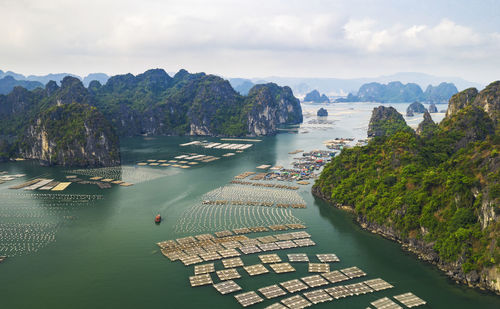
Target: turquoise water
column 104, row 255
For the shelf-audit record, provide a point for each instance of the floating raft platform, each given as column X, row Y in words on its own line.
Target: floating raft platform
column 204, row 269
column 318, row 296
column 286, row 244
column 296, row 301
column 229, row 253
column 248, row 298
column 241, row 140
column 257, row 269
column 298, row 257
column 269, row 258
column 335, row 276
column 250, row 249
column 281, row 268
column 210, row 256
column 269, row 247
column 338, row 292
column 231, row 263
column 42, row 182
column 49, row 186
column 200, row 280
column 294, row 285
column 227, row 287
column 272, row 291
column 378, row 284
column 264, row 166
column 385, row 303
column 410, row 300
column 353, row 272
column 61, row 186
column 276, row 306
column 327, row 258
column 359, row 288
column 314, row 281
column 25, row 184
column 319, row 267
column 190, row 260
column 228, row 274
column 306, row 242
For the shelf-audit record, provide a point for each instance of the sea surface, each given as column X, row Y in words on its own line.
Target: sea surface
column 87, row 247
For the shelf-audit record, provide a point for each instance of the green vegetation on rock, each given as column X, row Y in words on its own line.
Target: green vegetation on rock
column 440, row 188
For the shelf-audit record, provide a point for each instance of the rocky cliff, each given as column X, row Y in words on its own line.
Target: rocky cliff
column 270, row 106
column 436, row 192
column 71, row 135
column 316, row 97
column 415, row 108
column 193, row 104
column 385, row 121
column 322, row 112
column 427, row 127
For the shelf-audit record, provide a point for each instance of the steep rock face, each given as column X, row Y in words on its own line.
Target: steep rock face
column 71, row 135
column 489, row 100
column 427, row 127
column 460, row 100
column 153, row 103
column 316, row 97
column 322, row 112
column 432, row 108
column 470, row 123
column 270, row 106
column 416, row 108
column 441, row 93
column 385, row 121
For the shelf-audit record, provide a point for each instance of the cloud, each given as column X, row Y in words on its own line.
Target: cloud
column 444, row 38
column 322, row 38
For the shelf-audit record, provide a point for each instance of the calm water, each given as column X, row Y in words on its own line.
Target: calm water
column 103, row 252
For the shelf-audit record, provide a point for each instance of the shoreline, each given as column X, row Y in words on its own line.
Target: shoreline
column 424, row 251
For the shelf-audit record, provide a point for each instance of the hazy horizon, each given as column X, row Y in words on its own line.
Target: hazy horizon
column 317, row 39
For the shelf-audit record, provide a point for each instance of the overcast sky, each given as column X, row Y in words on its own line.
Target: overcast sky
column 253, row 38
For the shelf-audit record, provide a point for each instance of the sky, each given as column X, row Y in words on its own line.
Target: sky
column 313, row 38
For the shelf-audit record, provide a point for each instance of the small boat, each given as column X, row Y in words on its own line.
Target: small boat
column 158, row 219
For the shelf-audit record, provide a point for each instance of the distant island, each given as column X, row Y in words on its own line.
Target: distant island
column 436, row 190
column 395, row 92
column 315, row 97
column 8, row 83
column 58, row 124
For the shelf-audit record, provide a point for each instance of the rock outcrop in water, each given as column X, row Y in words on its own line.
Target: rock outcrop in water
column 271, row 106
column 395, row 92
column 432, row 108
column 415, row 108
column 193, row 104
column 437, row 193
column 71, row 135
column 315, row 97
column 152, row 103
column 322, row 112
